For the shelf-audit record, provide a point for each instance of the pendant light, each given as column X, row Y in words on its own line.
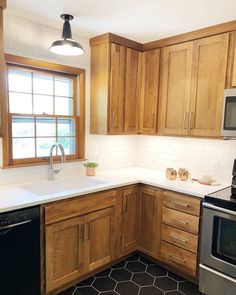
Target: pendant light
column 66, row 45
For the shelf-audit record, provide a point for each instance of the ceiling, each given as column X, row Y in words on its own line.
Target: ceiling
column 140, row 20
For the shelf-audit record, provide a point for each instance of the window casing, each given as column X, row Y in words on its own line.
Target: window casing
column 42, row 109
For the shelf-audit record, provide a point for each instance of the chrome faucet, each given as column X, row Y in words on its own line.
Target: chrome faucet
column 51, row 170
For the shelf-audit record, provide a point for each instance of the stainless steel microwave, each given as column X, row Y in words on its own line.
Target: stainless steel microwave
column 228, row 128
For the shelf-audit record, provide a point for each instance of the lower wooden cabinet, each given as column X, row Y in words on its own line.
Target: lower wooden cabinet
column 129, row 224
column 100, row 238
column 149, row 221
column 65, row 244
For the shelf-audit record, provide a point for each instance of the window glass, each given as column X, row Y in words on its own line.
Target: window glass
column 20, row 103
column 63, row 106
column 19, row 81
column 45, row 127
column 23, row 148
column 66, row 127
column 42, row 84
column 63, row 87
column 23, row 127
column 43, row 104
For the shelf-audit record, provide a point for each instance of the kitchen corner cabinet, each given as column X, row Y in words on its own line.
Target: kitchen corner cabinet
column 3, row 72
column 149, row 92
column 114, row 89
column 149, row 226
column 193, row 81
column 130, row 216
column 80, row 237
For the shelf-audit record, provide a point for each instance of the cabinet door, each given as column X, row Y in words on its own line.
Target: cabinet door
column 149, row 91
column 149, row 222
column 117, row 89
column 208, row 83
column 129, row 232
column 64, row 252
column 176, row 69
column 100, row 238
column 133, row 60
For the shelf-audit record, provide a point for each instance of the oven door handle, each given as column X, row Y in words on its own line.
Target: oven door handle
column 213, row 207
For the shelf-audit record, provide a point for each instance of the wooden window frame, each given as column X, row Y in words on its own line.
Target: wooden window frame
column 47, row 67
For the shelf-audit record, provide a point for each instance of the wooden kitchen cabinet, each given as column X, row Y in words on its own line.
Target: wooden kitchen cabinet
column 115, row 74
column 100, row 238
column 149, row 221
column 208, row 82
column 192, row 86
column 65, row 245
column 175, row 88
column 130, row 217
column 149, row 92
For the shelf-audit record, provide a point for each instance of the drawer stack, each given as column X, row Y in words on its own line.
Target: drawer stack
column 180, row 231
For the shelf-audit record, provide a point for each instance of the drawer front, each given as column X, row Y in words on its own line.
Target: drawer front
column 182, row 203
column 180, row 238
column 179, row 258
column 79, row 206
column 180, row 220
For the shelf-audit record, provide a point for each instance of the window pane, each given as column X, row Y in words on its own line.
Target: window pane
column 68, row 144
column 19, row 81
column 42, row 84
column 23, row 148
column 43, row 104
column 22, row 127
column 45, row 127
column 63, row 106
column 43, row 146
column 20, row 103
column 63, row 87
column 66, row 127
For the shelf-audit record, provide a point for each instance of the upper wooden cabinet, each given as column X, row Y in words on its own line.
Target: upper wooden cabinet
column 114, row 89
column 149, row 91
column 176, row 72
column 208, row 82
column 193, row 81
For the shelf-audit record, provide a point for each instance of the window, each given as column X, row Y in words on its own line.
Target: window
column 42, row 110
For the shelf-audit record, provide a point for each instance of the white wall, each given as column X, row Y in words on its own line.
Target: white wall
column 200, row 156
column 29, row 39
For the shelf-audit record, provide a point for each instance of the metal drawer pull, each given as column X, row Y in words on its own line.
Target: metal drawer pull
column 179, row 239
column 89, row 231
column 177, row 258
column 180, row 204
column 180, row 221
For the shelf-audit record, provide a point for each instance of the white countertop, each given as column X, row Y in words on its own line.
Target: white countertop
column 24, row 195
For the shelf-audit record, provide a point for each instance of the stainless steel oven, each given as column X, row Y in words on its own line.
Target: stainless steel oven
column 218, row 251
column 229, row 113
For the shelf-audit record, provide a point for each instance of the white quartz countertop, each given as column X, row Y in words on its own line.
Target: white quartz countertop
column 24, row 195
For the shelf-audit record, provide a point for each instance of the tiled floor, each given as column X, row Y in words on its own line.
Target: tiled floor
column 134, row 276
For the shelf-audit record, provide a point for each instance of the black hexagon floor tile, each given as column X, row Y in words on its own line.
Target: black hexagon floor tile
column 146, row 261
column 86, row 291
column 156, row 270
column 127, row 288
column 136, row 276
column 134, row 257
column 87, row 282
column 136, row 266
column 119, row 265
column 104, row 284
column 150, row 291
column 175, row 277
column 143, row 279
column 121, row 275
column 166, row 284
column 188, row 288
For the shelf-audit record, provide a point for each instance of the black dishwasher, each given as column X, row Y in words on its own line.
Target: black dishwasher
column 20, row 252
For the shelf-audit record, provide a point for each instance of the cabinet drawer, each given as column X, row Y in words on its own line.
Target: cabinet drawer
column 180, row 238
column 182, row 203
column 180, row 220
column 179, row 258
column 79, row 206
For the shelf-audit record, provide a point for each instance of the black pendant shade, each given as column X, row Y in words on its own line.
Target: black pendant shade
column 66, row 45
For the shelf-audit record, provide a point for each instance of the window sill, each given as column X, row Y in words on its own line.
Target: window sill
column 40, row 164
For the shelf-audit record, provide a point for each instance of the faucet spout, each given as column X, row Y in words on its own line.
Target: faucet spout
column 52, row 171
